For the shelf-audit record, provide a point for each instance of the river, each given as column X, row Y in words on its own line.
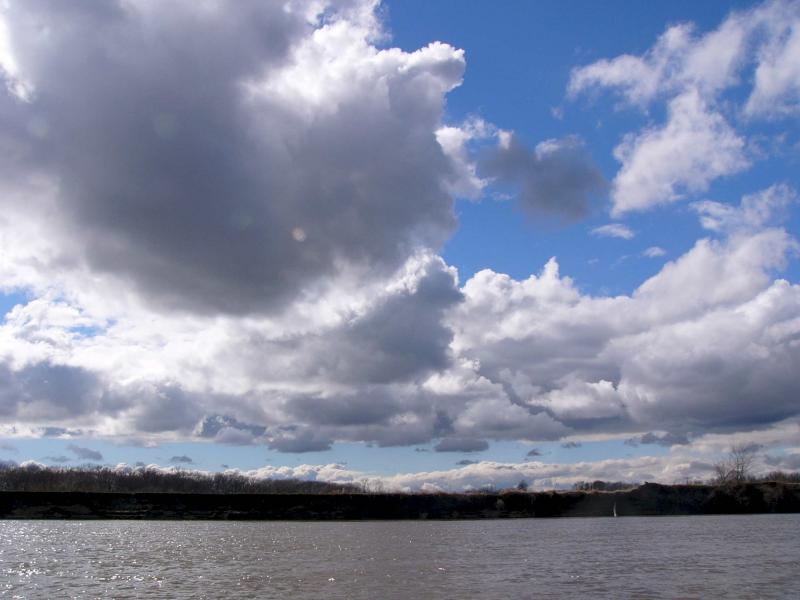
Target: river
column 754, row 556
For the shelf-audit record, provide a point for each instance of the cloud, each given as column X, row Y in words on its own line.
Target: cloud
column 776, row 91
column 181, row 460
column 662, row 164
column 755, row 212
column 225, row 161
column 555, row 179
column 763, row 38
column 669, row 356
column 698, row 76
column 654, row 252
column 498, row 475
column 570, row 445
column 662, row 439
column 617, row 230
column 237, row 242
column 85, row 453
column 465, row 461
column 59, row 459
column 300, row 439
column 534, row 452
column 461, row 445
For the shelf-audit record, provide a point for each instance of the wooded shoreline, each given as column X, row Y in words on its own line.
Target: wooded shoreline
column 646, row 500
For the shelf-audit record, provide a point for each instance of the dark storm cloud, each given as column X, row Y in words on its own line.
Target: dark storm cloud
column 85, row 453
column 557, row 179
column 461, row 445
column 205, row 198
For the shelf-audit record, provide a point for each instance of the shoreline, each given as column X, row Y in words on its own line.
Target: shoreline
column 650, row 499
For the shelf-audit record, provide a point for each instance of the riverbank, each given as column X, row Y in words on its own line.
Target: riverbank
column 649, row 499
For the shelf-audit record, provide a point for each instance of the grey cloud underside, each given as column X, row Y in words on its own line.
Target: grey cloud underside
column 171, row 177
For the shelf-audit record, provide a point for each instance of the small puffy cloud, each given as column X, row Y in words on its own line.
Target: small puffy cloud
column 556, row 179
column 465, row 461
column 85, row 453
column 654, row 252
column 461, row 445
column 299, row 439
column 181, row 460
column 570, row 445
column 534, row 452
column 616, row 230
column 661, row 439
column 59, row 459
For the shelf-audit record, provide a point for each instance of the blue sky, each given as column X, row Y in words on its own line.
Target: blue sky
column 271, row 254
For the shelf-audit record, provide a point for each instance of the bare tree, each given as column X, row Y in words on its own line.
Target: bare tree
column 738, row 466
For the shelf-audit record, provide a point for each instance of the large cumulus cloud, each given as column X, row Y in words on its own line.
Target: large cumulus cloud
column 706, row 343
column 224, row 158
column 227, row 219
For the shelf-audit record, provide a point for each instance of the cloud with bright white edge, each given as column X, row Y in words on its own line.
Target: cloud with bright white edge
column 266, row 190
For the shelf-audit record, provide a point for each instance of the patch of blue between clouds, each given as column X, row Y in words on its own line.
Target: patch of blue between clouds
column 11, row 299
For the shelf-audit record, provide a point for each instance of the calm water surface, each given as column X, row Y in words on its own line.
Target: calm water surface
column 644, row 557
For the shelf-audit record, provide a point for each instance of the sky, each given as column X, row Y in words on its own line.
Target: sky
column 420, row 245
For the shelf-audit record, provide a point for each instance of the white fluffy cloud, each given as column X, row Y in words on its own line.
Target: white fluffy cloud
column 685, row 351
column 663, row 164
column 617, row 230
column 697, row 144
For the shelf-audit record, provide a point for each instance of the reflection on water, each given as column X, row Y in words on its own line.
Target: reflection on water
column 644, row 557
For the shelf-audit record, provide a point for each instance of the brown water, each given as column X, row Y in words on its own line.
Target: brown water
column 644, row 557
